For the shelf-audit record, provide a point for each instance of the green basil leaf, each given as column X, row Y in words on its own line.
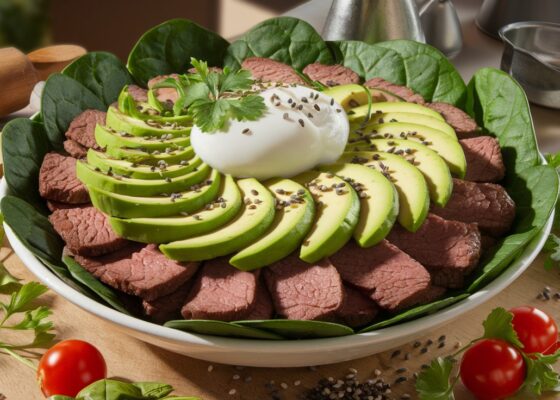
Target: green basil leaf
column 102, row 73
column 154, row 389
column 168, row 48
column 62, row 100
column 285, row 39
column 219, row 328
column 24, row 145
column 291, row 329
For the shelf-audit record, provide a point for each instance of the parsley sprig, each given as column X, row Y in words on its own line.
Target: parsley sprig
column 438, row 380
column 20, row 314
column 213, row 98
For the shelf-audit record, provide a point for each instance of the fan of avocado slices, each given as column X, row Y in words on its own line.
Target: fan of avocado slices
column 155, row 189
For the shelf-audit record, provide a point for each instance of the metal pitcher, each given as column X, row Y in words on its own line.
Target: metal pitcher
column 372, row 21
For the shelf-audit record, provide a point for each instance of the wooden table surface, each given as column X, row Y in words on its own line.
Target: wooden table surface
column 134, row 360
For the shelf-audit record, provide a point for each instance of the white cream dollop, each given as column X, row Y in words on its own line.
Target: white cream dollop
column 283, row 142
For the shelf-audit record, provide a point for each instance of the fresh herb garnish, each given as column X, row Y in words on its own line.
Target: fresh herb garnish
column 213, row 98
column 438, row 380
column 18, row 314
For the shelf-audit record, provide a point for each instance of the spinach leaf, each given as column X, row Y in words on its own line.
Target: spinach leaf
column 219, row 328
column 63, row 99
column 285, row 39
column 534, row 191
column 370, row 61
column 499, row 104
column 429, row 72
column 102, row 73
column 416, row 312
column 292, row 329
column 32, row 228
column 24, row 145
column 168, row 48
column 107, row 294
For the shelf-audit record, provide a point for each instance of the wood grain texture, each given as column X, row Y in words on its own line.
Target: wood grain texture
column 131, row 359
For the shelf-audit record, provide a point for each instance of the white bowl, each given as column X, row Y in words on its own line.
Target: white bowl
column 285, row 353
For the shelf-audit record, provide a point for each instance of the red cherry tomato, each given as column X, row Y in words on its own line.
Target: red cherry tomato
column 552, row 349
column 492, row 369
column 69, row 366
column 535, row 328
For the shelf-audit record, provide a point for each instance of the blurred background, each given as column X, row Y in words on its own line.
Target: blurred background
column 98, row 25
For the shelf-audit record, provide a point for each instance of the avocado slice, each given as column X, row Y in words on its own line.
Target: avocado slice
column 337, row 211
column 256, row 215
column 106, row 137
column 121, row 122
column 414, row 199
column 354, row 95
column 105, row 163
column 429, row 163
column 163, row 230
column 413, row 118
column 123, row 206
column 295, row 210
column 152, row 109
column 359, row 113
column 448, row 148
column 154, row 157
column 119, row 184
column 379, row 201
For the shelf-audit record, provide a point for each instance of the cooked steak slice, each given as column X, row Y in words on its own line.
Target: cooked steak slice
column 305, row 291
column 331, row 75
column 75, row 149
column 450, row 250
column 484, row 159
column 401, row 91
column 357, row 310
column 139, row 94
column 58, row 180
column 82, row 128
column 267, row 70
column 263, row 308
column 463, row 124
column 388, row 275
column 432, row 294
column 486, row 204
column 140, row 270
column 221, row 292
column 164, row 95
column 167, row 307
column 55, row 205
column 211, row 69
column 86, row 231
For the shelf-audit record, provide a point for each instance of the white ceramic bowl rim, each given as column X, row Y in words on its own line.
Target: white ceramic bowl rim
column 513, row 271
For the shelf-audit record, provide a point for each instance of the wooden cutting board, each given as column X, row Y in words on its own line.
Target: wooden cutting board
column 131, row 359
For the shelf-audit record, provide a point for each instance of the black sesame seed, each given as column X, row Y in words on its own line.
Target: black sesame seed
column 401, row 379
column 401, row 370
column 301, row 122
column 424, row 350
column 254, row 192
column 396, row 353
column 332, row 102
column 441, row 338
column 316, row 107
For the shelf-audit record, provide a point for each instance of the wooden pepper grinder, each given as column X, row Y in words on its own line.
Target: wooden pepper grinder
column 20, row 72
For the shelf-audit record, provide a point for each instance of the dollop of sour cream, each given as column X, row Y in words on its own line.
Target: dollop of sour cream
column 300, row 129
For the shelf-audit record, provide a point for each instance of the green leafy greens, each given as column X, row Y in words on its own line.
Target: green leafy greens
column 213, row 98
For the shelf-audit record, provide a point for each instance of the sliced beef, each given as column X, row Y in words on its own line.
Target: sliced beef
column 86, row 231
column 432, row 294
column 484, row 159
column 139, row 270
column 55, row 205
column 263, row 308
column 486, row 204
column 305, row 291
column 165, row 95
column 75, row 149
column 463, row 124
column 139, row 94
column 331, row 75
column 58, row 180
column 403, row 92
column 389, row 276
column 449, row 249
column 82, row 128
column 487, row 242
column 211, row 69
column 267, row 70
column 167, row 307
column 221, row 292
column 358, row 310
